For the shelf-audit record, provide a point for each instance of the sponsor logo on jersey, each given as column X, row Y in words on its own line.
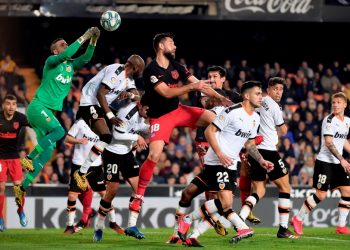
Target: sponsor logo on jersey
column 254, row 123
column 341, row 136
column 175, row 74
column 109, row 177
column 221, row 118
column 16, row 125
column 92, row 139
column 222, row 185
column 153, row 79
column 114, row 91
column 68, row 68
column 243, row 134
column 113, row 80
column 64, row 80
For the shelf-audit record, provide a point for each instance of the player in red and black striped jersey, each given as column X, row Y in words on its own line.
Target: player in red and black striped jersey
column 162, row 78
column 11, row 123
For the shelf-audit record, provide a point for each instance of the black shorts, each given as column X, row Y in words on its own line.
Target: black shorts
column 90, row 113
column 119, row 167
column 329, row 176
column 258, row 173
column 215, row 178
column 95, row 178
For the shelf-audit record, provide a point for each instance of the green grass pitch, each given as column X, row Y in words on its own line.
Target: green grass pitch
column 264, row 238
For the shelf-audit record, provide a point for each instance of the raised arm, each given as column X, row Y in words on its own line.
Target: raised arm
column 54, row 60
column 79, row 62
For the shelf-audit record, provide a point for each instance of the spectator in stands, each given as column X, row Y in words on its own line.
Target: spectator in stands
column 330, row 82
column 157, row 179
column 7, row 65
column 60, row 169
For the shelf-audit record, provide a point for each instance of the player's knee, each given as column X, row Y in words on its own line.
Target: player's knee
column 154, row 156
column 59, row 131
column 107, row 138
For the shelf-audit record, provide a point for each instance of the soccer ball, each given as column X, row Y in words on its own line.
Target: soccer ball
column 110, row 20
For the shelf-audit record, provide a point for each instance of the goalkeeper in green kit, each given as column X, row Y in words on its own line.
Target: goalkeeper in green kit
column 55, row 85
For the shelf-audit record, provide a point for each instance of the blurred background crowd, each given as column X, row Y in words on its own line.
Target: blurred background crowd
column 305, row 102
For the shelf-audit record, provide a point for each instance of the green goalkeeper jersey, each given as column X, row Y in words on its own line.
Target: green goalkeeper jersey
column 57, row 75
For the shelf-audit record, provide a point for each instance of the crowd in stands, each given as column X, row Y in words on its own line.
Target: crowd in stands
column 305, row 102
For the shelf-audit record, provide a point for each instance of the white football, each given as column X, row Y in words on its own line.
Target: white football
column 110, row 20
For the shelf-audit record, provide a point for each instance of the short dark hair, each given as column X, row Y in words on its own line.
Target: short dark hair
column 53, row 44
column 10, row 97
column 159, row 37
column 221, row 70
column 249, row 85
column 276, row 80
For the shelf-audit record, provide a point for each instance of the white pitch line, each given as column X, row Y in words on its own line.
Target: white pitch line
column 273, row 235
column 308, row 237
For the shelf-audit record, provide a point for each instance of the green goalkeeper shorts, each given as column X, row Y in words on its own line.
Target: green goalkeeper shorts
column 41, row 118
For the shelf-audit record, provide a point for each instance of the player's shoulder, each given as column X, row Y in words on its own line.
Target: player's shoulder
column 329, row 118
column 347, row 119
column 153, row 64
column 19, row 116
column 271, row 103
column 80, row 123
column 128, row 111
column 234, row 108
column 115, row 68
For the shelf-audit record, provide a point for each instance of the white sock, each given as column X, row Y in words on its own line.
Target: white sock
column 133, row 216
column 100, row 222
column 245, row 210
column 70, row 218
column 343, row 208
column 283, row 209
column 201, row 228
column 111, row 215
column 309, row 204
column 236, row 221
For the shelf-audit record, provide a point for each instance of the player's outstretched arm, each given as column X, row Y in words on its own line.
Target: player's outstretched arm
column 79, row 62
column 54, row 60
column 209, row 91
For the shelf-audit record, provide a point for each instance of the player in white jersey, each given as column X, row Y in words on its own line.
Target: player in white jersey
column 83, row 138
column 112, row 82
column 331, row 169
column 234, row 128
column 271, row 126
column 119, row 162
column 193, row 189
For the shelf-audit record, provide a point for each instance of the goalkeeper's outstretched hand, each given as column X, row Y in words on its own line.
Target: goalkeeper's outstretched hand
column 87, row 35
column 95, row 36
